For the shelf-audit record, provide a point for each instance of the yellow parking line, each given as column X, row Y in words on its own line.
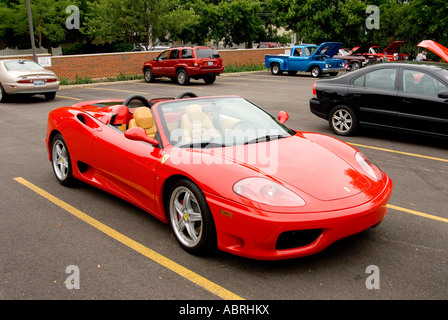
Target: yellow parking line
column 399, row 152
column 68, row 97
column 421, row 214
column 154, row 256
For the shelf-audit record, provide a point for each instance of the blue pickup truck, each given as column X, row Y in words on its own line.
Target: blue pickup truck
column 307, row 58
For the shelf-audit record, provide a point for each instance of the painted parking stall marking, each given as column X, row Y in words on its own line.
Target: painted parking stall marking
column 417, row 213
column 399, row 152
column 154, row 256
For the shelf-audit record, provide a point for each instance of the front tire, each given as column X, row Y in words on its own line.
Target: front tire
column 190, row 218
column 355, row 66
column 61, row 162
column 315, row 72
column 149, row 76
column 343, row 121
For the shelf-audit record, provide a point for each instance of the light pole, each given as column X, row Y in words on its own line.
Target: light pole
column 30, row 21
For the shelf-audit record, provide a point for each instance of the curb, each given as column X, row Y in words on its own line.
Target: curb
column 104, row 82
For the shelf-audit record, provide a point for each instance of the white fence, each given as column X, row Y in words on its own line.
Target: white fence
column 16, row 52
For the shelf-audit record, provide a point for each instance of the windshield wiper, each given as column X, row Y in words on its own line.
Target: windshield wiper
column 265, row 138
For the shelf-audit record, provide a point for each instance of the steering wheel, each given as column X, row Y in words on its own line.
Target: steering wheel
column 186, row 94
column 241, row 125
column 138, row 97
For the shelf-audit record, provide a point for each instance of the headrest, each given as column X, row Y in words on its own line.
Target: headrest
column 194, row 112
column 121, row 115
column 143, row 117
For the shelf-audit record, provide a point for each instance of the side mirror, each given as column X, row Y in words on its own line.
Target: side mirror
column 443, row 94
column 139, row 134
column 156, row 59
column 282, row 117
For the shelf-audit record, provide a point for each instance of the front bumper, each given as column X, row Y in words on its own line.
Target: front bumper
column 262, row 235
column 332, row 70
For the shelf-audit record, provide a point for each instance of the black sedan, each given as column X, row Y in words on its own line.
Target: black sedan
column 403, row 96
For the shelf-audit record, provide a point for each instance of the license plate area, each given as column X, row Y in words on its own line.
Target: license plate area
column 38, row 82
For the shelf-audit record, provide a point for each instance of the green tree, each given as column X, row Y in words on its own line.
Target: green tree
column 234, row 22
column 127, row 20
column 242, row 21
column 48, row 20
column 316, row 21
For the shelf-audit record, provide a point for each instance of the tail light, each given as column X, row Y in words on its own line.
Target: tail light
column 195, row 63
column 25, row 81
column 314, row 88
column 32, row 80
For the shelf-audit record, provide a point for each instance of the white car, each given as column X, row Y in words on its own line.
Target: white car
column 19, row 76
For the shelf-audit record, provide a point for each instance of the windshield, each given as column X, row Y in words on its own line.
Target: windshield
column 309, row 50
column 218, row 122
column 18, row 65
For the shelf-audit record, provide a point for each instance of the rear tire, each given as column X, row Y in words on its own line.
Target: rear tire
column 183, row 78
column 275, row 69
column 3, row 94
column 210, row 79
column 50, row 95
column 343, row 121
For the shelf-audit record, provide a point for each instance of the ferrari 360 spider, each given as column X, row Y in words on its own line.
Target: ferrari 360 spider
column 221, row 171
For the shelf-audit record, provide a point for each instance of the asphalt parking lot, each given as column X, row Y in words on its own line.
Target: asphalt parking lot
column 120, row 252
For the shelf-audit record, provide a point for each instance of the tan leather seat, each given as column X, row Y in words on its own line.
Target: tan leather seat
column 143, row 118
column 197, row 125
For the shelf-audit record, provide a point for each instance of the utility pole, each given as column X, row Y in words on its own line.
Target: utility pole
column 30, row 21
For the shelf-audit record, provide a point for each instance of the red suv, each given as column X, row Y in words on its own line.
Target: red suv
column 183, row 63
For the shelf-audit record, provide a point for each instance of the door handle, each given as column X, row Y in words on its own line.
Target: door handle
column 405, row 100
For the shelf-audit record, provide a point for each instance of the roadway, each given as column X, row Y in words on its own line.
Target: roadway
column 123, row 253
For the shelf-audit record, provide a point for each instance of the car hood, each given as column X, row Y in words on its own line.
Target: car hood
column 393, row 47
column 435, row 47
column 363, row 48
column 332, row 48
column 299, row 163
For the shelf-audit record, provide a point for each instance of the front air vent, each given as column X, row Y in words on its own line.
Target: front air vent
column 297, row 238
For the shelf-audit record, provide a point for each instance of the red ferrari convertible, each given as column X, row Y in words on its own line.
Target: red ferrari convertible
column 221, row 171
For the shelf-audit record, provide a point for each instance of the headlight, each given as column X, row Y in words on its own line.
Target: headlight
column 267, row 192
column 369, row 167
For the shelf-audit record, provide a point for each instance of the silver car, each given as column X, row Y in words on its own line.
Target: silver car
column 19, row 76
